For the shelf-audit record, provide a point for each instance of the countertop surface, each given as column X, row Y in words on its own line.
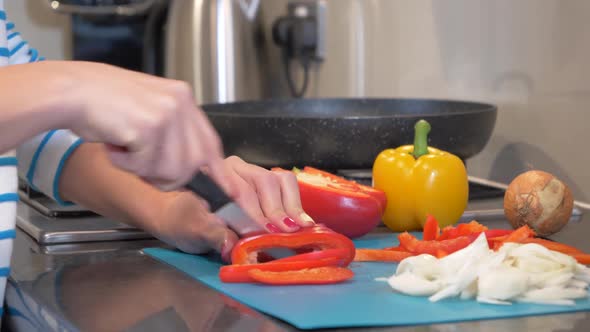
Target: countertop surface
column 113, row 286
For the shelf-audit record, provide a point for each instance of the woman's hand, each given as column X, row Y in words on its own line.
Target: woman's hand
column 152, row 126
column 271, row 198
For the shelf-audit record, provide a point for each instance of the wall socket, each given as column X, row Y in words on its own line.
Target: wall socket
column 316, row 10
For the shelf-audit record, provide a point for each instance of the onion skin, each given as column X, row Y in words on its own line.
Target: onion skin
column 540, row 200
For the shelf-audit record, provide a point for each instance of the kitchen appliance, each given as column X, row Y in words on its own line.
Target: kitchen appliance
column 124, row 33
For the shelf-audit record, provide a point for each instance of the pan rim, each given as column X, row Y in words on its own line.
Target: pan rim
column 477, row 107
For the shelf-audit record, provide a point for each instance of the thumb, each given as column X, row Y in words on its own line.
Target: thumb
column 227, row 246
column 221, row 238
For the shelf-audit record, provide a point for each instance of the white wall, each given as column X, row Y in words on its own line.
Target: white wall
column 44, row 29
column 530, row 57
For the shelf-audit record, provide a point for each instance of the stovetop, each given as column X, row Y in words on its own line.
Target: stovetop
column 49, row 223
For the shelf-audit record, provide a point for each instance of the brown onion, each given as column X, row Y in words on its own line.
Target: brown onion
column 540, row 200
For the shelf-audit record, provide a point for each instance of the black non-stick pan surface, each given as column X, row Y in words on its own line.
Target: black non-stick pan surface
column 345, row 133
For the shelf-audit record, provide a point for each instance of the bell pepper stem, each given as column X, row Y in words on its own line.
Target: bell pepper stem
column 421, row 130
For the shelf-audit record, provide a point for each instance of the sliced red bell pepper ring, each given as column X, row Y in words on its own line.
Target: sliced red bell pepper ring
column 380, row 255
column 317, row 237
column 239, row 273
column 312, row 276
column 413, row 245
column 340, row 255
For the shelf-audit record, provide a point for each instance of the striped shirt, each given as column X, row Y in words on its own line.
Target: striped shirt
column 39, row 161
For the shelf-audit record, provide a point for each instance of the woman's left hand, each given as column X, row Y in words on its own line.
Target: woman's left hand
column 271, row 198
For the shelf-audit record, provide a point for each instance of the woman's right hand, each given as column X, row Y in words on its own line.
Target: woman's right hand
column 152, row 124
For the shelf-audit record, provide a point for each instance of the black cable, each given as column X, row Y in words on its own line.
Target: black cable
column 290, row 81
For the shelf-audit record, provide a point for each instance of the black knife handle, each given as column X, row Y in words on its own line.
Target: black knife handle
column 206, row 188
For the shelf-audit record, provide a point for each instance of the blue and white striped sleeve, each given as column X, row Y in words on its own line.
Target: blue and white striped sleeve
column 41, row 159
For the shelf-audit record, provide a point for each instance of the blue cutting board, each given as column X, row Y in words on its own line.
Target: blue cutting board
column 360, row 302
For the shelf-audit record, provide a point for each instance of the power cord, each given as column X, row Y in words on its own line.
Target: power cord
column 305, row 64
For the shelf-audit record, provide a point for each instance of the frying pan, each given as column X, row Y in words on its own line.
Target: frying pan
column 345, row 133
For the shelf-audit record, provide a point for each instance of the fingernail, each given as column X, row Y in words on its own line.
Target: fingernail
column 273, row 228
column 290, row 223
column 305, row 217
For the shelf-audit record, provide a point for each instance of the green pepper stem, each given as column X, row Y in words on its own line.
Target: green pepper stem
column 421, row 130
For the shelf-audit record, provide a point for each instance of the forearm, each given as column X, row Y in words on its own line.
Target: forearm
column 91, row 180
column 34, row 98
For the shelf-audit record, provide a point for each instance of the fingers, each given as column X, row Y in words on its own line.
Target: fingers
column 277, row 196
column 291, row 198
column 247, row 198
column 189, row 226
column 168, row 138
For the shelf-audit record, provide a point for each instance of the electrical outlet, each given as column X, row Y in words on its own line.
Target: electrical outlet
column 315, row 10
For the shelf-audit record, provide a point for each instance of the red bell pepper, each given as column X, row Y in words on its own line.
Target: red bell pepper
column 380, row 255
column 353, row 185
column 240, row 272
column 312, row 276
column 413, row 245
column 317, row 237
column 322, row 248
column 431, row 230
column 345, row 206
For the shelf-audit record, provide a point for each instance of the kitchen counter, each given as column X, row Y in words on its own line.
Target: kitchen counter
column 112, row 286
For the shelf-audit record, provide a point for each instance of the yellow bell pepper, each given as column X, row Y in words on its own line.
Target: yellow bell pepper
column 420, row 180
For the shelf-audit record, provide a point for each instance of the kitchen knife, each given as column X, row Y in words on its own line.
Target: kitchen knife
column 223, row 206
column 229, row 211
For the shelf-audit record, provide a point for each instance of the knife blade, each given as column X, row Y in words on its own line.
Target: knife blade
column 223, row 206
column 229, row 211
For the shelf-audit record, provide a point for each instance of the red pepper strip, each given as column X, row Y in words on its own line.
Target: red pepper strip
column 493, row 236
column 520, row 234
column 431, row 230
column 239, row 273
column 380, row 255
column 416, row 246
column 582, row 258
column 494, row 233
column 494, row 240
column 441, row 253
column 312, row 276
column 555, row 246
column 462, row 230
column 398, row 248
column 316, row 237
